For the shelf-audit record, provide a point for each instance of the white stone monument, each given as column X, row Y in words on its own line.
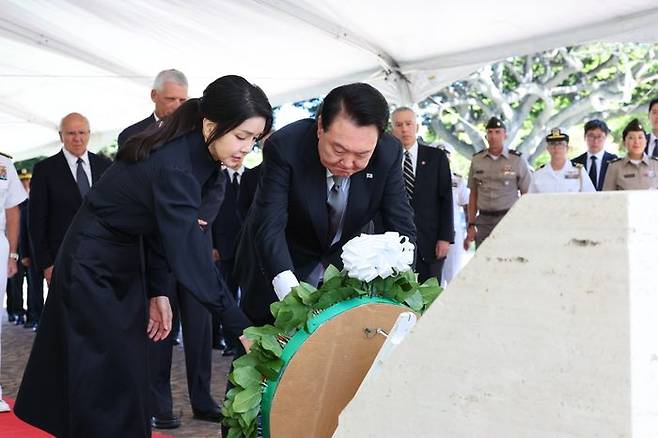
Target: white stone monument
column 550, row 331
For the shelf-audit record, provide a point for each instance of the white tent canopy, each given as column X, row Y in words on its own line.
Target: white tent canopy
column 99, row 57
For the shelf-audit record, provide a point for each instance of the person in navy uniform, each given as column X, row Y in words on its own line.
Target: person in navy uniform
column 322, row 183
column 87, row 373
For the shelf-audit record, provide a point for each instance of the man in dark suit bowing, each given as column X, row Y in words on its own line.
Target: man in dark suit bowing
column 322, row 182
column 596, row 158
column 428, row 183
column 58, row 185
column 168, row 93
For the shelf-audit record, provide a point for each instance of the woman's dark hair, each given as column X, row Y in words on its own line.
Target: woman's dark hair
column 361, row 103
column 228, row 101
column 633, row 126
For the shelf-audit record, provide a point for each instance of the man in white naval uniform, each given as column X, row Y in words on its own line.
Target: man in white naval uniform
column 560, row 175
column 12, row 193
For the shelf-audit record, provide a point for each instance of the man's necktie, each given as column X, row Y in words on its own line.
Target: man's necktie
column 336, row 202
column 409, row 177
column 81, row 178
column 592, row 171
column 236, row 184
column 654, row 153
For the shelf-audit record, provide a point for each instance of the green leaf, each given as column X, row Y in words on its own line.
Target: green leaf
column 270, row 369
column 251, row 415
column 329, row 298
column 415, row 301
column 248, row 359
column 305, row 293
column 270, row 343
column 330, row 273
column 246, row 376
column 257, row 332
column 234, row 432
column 247, row 399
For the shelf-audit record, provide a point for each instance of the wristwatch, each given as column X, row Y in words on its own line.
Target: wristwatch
column 13, row 255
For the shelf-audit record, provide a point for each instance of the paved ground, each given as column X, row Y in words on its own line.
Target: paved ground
column 16, row 345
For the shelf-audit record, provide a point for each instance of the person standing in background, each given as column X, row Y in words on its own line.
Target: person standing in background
column 12, row 194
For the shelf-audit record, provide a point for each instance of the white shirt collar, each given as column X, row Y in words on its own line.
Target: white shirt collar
column 598, row 155
column 232, row 171
column 73, row 160
column 413, row 151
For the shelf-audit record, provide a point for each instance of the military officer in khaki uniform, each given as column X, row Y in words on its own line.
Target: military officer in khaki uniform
column 636, row 171
column 496, row 177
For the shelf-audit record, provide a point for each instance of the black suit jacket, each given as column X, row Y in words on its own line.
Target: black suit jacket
column 582, row 159
column 135, row 129
column 226, row 226
column 432, row 201
column 287, row 227
column 54, row 200
column 248, row 186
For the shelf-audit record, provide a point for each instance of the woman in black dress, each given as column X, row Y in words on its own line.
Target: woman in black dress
column 141, row 223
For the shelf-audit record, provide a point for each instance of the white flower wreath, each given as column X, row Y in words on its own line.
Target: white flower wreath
column 370, row 255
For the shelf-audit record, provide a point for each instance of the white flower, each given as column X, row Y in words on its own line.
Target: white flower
column 370, row 255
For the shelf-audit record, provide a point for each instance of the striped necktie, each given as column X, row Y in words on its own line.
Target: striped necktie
column 409, row 177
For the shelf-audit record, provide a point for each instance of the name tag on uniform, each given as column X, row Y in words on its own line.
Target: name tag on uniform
column 3, row 173
column 573, row 174
column 629, row 175
column 507, row 171
column 649, row 174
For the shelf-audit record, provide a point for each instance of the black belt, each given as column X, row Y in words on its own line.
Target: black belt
column 493, row 212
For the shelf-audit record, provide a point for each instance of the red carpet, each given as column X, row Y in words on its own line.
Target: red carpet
column 12, row 427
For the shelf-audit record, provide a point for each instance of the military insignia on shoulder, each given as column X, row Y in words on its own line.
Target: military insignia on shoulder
column 3, row 173
column 578, row 166
column 6, row 155
column 456, row 174
column 542, row 166
column 515, row 152
column 480, row 152
column 614, row 160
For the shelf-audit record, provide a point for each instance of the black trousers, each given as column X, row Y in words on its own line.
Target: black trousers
column 196, row 322
column 426, row 270
column 34, row 293
column 226, row 269
column 15, row 292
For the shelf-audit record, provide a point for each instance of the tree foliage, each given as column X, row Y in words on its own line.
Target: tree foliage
column 533, row 93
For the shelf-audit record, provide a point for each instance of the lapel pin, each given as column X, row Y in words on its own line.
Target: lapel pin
column 423, row 163
column 369, row 175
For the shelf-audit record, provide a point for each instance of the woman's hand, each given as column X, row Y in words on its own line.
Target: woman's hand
column 160, row 317
column 246, row 343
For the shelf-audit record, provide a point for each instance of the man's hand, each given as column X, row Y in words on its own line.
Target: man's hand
column 160, row 317
column 26, row 262
column 47, row 274
column 441, row 249
column 215, row 255
column 12, row 267
column 470, row 236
